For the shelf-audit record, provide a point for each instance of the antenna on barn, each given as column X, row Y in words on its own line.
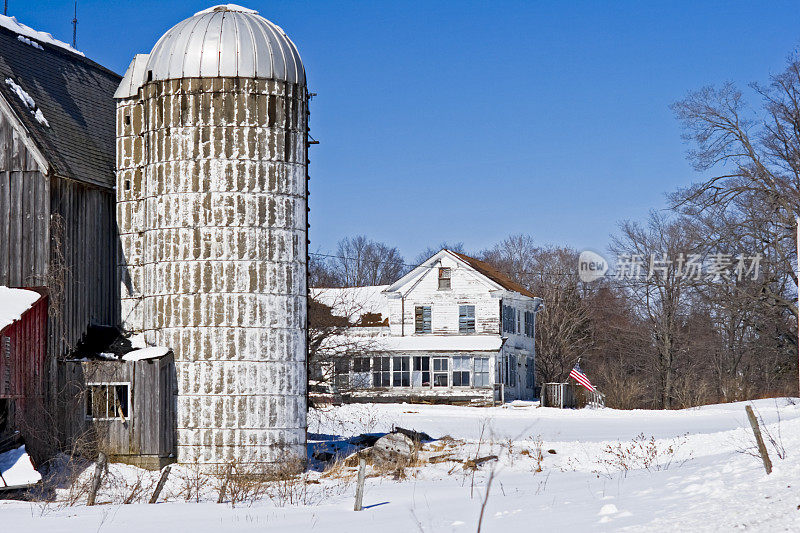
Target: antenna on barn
column 5, row 7
column 75, row 27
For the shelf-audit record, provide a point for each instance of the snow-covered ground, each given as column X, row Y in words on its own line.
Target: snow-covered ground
column 612, row 470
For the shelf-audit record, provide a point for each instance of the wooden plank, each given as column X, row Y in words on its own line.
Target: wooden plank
column 28, row 207
column 15, row 231
column 5, row 223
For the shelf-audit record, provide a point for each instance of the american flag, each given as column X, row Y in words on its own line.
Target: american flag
column 580, row 377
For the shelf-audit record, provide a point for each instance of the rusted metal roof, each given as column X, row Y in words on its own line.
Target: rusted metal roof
column 494, row 274
column 225, row 40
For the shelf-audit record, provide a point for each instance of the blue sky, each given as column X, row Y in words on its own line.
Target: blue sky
column 469, row 121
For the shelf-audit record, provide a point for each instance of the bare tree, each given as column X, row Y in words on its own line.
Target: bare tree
column 755, row 159
column 361, row 262
column 658, row 289
column 432, row 250
column 563, row 332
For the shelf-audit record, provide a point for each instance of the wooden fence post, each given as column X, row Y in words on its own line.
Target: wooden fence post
column 362, row 467
column 160, row 485
column 762, row 449
column 97, row 477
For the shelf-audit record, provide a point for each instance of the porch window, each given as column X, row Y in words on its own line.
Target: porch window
column 461, row 371
column 107, row 401
column 444, row 278
column 466, row 319
column 402, row 372
column 381, row 371
column 422, row 364
column 441, row 373
column 342, row 373
column 422, row 319
column 360, row 364
column 481, row 374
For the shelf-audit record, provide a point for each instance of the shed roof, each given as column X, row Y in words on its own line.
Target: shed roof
column 72, row 93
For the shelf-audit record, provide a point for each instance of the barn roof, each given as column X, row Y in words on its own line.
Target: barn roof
column 63, row 100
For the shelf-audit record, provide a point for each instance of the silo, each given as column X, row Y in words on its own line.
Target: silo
column 212, row 214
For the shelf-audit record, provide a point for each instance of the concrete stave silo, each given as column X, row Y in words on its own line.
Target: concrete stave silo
column 212, row 214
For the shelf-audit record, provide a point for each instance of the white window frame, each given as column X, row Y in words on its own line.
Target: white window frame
column 88, row 414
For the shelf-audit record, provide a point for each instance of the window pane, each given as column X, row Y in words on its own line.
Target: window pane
column 440, row 380
column 461, row 379
column 444, row 278
column 466, row 319
column 422, row 319
column 121, row 400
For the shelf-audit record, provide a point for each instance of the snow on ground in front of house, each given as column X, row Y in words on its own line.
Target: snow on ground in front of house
column 13, row 303
column 687, row 470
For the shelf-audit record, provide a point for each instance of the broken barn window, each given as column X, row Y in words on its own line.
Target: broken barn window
column 422, row 319
column 441, row 374
column 106, row 401
column 381, row 371
column 422, row 364
column 461, row 371
column 466, row 319
column 481, row 375
column 402, row 372
column 444, row 278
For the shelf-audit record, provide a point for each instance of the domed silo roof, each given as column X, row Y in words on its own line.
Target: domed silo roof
column 225, row 40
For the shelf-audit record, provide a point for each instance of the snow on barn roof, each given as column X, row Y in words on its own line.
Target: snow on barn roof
column 224, row 40
column 354, row 302
column 63, row 101
column 27, row 33
column 13, row 303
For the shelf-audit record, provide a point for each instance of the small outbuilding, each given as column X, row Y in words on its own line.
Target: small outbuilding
column 125, row 407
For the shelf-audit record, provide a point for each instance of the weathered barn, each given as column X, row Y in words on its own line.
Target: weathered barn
column 212, row 213
column 57, row 227
column 455, row 330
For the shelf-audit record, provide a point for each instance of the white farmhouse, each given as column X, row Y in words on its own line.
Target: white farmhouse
column 454, row 329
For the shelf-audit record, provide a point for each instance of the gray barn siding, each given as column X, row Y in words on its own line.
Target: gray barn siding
column 82, row 252
column 60, row 234
column 24, row 227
